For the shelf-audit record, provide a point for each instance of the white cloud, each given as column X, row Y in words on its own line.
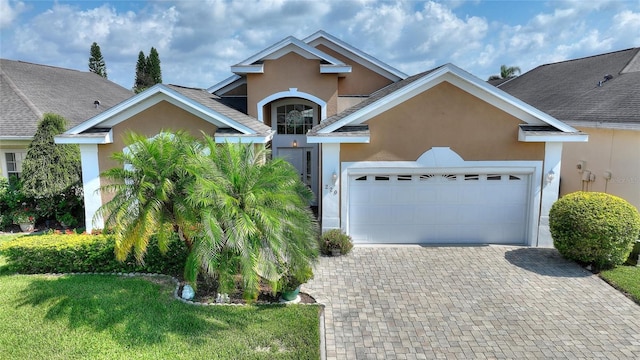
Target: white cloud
column 199, row 40
column 9, row 11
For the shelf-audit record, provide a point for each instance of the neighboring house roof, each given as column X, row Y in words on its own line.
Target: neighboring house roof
column 333, row 129
column 596, row 91
column 232, row 124
column 27, row 91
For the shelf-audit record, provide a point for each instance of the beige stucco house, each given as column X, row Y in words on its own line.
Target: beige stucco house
column 438, row 157
column 599, row 95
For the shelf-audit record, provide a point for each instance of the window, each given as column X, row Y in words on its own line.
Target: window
column 294, row 119
column 14, row 161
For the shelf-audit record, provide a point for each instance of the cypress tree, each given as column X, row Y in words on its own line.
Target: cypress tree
column 49, row 168
column 153, row 67
column 142, row 77
column 96, row 62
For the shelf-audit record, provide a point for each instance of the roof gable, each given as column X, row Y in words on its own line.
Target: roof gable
column 322, row 38
column 195, row 101
column 401, row 91
column 254, row 64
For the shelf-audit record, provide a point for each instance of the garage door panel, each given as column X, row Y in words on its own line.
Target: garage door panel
column 460, row 208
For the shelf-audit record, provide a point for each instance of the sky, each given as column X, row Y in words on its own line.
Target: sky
column 198, row 41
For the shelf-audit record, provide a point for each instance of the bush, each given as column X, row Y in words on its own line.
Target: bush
column 594, row 228
column 335, row 239
column 86, row 253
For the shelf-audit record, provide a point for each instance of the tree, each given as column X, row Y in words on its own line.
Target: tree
column 237, row 212
column 148, row 72
column 153, row 67
column 142, row 76
column 255, row 217
column 50, row 169
column 506, row 72
column 149, row 193
column 96, row 62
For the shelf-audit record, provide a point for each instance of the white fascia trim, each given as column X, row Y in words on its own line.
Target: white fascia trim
column 604, row 125
column 292, row 92
column 464, row 81
column 274, row 52
column 106, row 138
column 243, row 139
column 362, row 58
column 8, row 138
column 522, row 136
column 226, row 82
column 150, row 97
column 338, row 139
column 335, row 69
column 248, row 69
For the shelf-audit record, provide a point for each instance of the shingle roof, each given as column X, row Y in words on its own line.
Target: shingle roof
column 27, row 91
column 391, row 88
column 214, row 102
column 569, row 90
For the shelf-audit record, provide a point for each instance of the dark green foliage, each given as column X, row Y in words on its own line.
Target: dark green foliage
column 86, row 253
column 153, row 67
column 49, row 168
column 335, row 239
column 594, row 228
column 506, row 72
column 142, row 76
column 96, row 61
column 148, row 72
column 11, row 199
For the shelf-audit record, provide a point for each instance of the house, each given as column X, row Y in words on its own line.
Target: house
column 599, row 95
column 437, row 157
column 27, row 91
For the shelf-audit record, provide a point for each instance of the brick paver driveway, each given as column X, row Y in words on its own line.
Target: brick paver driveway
column 470, row 303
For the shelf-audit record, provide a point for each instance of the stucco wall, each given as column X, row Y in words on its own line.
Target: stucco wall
column 443, row 116
column 617, row 151
column 162, row 116
column 292, row 71
column 360, row 81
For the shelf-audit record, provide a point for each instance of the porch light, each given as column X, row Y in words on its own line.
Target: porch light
column 550, row 176
column 334, row 178
column 295, row 143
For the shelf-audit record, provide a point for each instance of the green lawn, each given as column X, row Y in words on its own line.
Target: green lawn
column 111, row 317
column 626, row 278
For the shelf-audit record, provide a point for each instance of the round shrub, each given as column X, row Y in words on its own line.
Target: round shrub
column 335, row 239
column 594, row 228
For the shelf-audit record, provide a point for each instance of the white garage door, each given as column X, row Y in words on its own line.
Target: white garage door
column 438, row 208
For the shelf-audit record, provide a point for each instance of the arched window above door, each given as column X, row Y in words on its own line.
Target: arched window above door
column 294, row 119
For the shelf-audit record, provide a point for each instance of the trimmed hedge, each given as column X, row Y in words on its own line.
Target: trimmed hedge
column 57, row 253
column 594, row 228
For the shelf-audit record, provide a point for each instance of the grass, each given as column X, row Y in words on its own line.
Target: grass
column 626, row 279
column 111, row 317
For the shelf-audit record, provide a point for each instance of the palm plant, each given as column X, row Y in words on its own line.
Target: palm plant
column 255, row 217
column 236, row 211
column 149, row 193
column 506, row 72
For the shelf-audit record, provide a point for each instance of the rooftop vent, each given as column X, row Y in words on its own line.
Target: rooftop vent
column 606, row 78
column 96, row 103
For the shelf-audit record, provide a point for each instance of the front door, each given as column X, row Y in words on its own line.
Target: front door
column 300, row 158
column 291, row 119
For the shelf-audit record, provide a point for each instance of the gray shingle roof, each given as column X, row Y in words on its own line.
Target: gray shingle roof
column 27, row 91
column 569, row 90
column 215, row 103
column 391, row 88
